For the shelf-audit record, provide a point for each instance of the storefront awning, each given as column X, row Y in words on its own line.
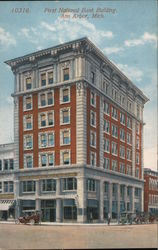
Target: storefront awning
column 6, row 204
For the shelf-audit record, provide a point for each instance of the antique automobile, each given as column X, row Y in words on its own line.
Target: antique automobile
column 29, row 219
column 127, row 218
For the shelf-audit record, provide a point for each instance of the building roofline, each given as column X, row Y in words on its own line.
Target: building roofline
column 69, row 44
column 149, row 170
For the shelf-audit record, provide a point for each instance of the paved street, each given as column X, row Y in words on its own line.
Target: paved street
column 77, row 236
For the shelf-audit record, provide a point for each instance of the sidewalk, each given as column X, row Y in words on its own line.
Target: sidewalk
column 66, row 224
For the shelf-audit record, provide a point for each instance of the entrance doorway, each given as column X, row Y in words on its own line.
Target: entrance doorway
column 48, row 208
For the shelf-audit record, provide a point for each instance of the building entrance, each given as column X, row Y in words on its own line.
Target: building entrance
column 48, row 208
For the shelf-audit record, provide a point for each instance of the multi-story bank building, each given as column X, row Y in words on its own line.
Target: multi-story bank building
column 78, row 124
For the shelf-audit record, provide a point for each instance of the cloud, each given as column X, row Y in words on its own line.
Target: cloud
column 62, row 30
column 145, row 38
column 131, row 72
column 6, row 39
column 112, row 50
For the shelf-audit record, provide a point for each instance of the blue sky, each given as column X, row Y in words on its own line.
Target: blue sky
column 127, row 37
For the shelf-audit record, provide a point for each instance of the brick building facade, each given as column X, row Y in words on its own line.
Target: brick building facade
column 78, row 131
column 150, row 191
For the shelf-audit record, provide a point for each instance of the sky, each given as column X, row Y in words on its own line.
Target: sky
column 125, row 31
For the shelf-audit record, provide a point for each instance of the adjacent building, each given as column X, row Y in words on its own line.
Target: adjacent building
column 7, row 202
column 78, row 135
column 150, row 191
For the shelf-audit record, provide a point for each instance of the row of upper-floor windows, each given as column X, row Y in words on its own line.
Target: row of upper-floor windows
column 6, row 187
column 46, row 98
column 47, row 139
column 46, row 78
column 47, row 159
column 113, row 148
column 46, row 119
column 153, row 199
column 122, row 100
column 6, row 164
column 123, row 168
column 49, row 185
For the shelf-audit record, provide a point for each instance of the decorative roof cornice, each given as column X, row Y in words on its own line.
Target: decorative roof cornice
column 83, row 46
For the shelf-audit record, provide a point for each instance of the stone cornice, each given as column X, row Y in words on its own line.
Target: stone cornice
column 84, row 47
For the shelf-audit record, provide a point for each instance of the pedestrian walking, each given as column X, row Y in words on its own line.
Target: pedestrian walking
column 109, row 218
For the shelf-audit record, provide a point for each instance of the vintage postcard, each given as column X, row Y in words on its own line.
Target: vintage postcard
column 78, row 124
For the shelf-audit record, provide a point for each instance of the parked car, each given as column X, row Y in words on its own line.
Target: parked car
column 127, row 217
column 29, row 219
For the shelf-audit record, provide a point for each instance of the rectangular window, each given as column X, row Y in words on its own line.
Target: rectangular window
column 29, row 161
column 106, row 163
column 11, row 161
column 137, row 142
column 129, row 122
column 106, row 187
column 122, row 134
column 106, row 145
column 0, row 165
column 28, row 186
column 66, row 157
column 114, row 131
column 50, row 159
column 65, row 137
column 50, row 119
column 43, row 160
column 106, row 108
column 69, row 184
column 91, row 185
column 129, row 170
column 114, row 165
column 28, row 122
column 122, row 118
column 43, row 100
column 114, row 113
column 66, row 74
column 92, row 77
column 122, row 152
column 66, row 95
column 137, row 192
column 50, row 77
column 51, row 139
column 137, row 158
column 129, row 154
column 129, row 138
column 93, row 118
column 137, row 128
column 28, row 83
column 92, row 139
column 28, row 140
column 50, row 98
column 93, row 99
column 122, row 168
column 8, row 187
column 138, row 112
column 43, row 120
column 93, row 159
column 43, row 140
column 49, row 185
column 28, row 101
column 43, row 79
column 114, row 148
column 114, row 189
column 65, row 119
column 0, row 187
column 106, row 126
column 6, row 164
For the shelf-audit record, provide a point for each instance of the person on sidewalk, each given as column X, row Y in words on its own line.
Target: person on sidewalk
column 109, row 218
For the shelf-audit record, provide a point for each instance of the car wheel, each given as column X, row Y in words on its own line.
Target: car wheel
column 32, row 221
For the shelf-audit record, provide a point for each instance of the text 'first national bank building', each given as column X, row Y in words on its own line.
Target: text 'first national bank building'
column 78, row 135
